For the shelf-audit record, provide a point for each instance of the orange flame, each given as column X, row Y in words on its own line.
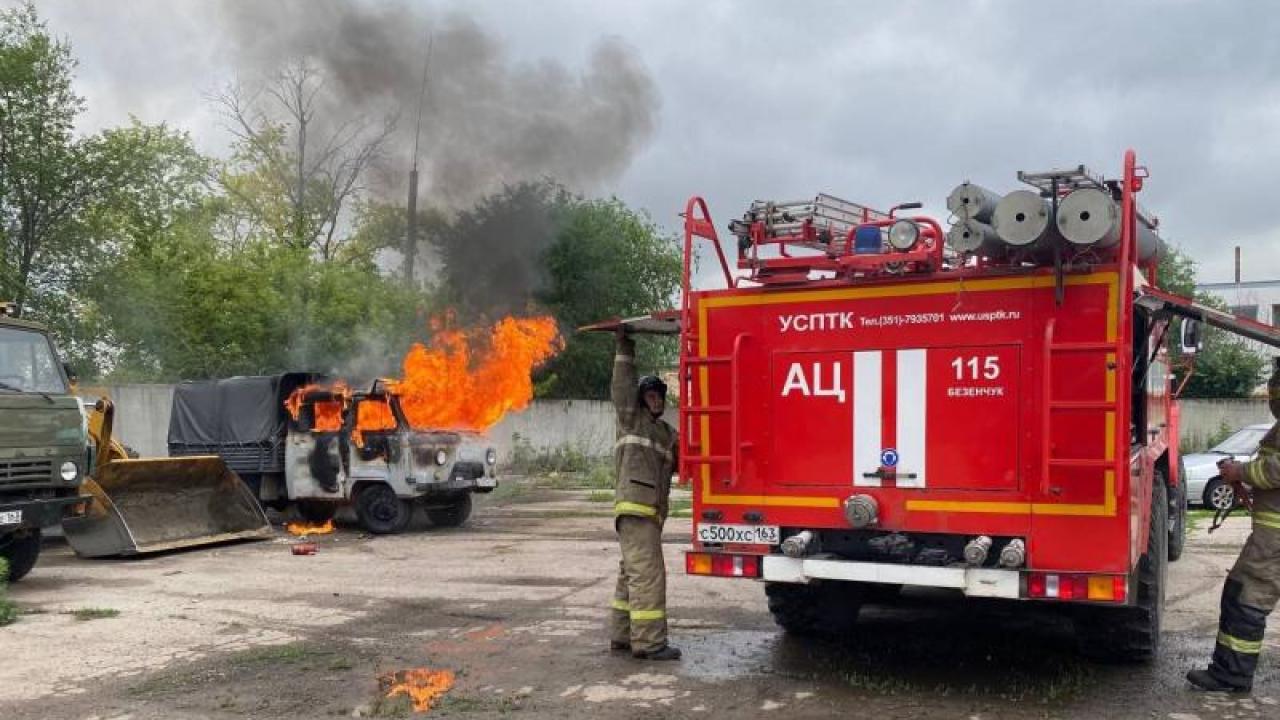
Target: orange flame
column 303, row 529
column 423, row 686
column 455, row 383
column 328, row 411
column 450, row 386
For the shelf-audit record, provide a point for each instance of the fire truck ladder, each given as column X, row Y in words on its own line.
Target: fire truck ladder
column 1054, row 408
column 695, row 370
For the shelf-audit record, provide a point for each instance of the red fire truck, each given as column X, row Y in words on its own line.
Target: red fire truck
column 872, row 402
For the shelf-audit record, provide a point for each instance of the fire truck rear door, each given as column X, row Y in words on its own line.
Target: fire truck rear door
column 924, row 417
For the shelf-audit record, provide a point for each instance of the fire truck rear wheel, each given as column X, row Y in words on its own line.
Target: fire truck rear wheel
column 1132, row 634
column 817, row 609
column 20, row 551
column 451, row 515
column 380, row 511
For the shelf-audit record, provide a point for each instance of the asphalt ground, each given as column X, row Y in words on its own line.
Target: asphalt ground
column 514, row 603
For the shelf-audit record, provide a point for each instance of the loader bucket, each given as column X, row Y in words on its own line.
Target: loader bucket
column 152, row 505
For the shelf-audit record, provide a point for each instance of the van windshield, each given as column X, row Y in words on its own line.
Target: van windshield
column 27, row 363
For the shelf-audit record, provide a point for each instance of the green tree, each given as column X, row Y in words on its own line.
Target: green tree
column 46, row 174
column 607, row 261
column 1227, row 366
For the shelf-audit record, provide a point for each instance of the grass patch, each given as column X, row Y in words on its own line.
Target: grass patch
column 681, row 508
column 254, row 662
column 93, row 613
column 8, row 611
column 600, row 496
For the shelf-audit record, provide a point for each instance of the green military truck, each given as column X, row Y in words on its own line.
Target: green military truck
column 42, row 440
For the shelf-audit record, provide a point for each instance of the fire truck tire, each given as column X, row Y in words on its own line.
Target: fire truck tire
column 451, row 515
column 380, row 511
column 1132, row 634
column 20, row 551
column 817, row 609
column 1177, row 514
column 316, row 511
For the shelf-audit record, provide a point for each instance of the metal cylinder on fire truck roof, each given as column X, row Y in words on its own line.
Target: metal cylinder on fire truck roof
column 1089, row 217
column 972, row 236
column 1021, row 218
column 972, row 202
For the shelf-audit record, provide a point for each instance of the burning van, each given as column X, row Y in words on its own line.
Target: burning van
column 299, row 439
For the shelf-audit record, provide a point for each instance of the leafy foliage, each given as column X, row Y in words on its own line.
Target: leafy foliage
column 1227, row 366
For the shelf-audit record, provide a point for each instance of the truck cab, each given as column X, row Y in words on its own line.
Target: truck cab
column 42, row 440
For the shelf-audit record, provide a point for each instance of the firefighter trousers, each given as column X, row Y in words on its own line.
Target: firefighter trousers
column 1249, row 595
column 638, row 615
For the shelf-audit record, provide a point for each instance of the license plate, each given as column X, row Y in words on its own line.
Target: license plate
column 739, row 534
column 11, row 517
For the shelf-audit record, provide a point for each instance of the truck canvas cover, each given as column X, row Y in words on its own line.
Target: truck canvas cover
column 241, row 419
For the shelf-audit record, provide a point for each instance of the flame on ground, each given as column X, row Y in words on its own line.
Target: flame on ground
column 303, row 529
column 423, row 686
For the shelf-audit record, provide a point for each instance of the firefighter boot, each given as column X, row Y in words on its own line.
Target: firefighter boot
column 666, row 652
column 1204, row 680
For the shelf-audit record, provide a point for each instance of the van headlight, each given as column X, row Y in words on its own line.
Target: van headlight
column 442, row 457
column 491, row 457
column 69, row 471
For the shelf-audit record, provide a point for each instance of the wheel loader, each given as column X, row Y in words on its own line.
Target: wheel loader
column 148, row 505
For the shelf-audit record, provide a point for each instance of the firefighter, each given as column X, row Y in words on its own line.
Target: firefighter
column 1253, row 586
column 644, row 460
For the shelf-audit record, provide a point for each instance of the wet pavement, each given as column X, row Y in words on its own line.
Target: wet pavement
column 514, row 604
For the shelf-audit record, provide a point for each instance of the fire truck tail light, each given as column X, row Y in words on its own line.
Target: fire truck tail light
column 1061, row 586
column 722, row 565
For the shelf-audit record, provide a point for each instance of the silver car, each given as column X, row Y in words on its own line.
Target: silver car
column 1203, row 484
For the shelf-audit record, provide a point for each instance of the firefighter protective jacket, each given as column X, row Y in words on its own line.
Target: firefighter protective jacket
column 1263, row 472
column 645, row 449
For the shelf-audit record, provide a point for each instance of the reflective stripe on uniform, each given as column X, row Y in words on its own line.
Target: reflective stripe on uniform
column 1267, row 519
column 1256, row 478
column 642, row 442
column 631, row 508
column 647, row 615
column 622, row 605
column 1247, row 647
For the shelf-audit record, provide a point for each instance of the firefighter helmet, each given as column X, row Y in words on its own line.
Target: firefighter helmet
column 652, row 382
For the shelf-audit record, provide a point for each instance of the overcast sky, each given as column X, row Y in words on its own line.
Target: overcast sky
column 875, row 102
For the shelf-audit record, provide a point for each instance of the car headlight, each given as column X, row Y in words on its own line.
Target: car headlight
column 442, row 457
column 491, row 456
column 903, row 235
column 69, row 471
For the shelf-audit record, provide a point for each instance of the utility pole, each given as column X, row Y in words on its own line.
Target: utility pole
column 411, row 231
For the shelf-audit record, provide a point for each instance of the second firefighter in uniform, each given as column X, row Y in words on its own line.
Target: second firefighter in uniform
column 1253, row 586
column 644, row 460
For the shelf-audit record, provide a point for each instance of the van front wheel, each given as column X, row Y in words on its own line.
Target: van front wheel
column 380, row 511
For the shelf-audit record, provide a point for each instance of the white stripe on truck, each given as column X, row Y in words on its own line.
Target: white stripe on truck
column 912, row 445
column 866, row 417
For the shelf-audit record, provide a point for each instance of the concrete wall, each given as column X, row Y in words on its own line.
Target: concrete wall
column 1202, row 419
column 142, row 415
column 142, row 422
